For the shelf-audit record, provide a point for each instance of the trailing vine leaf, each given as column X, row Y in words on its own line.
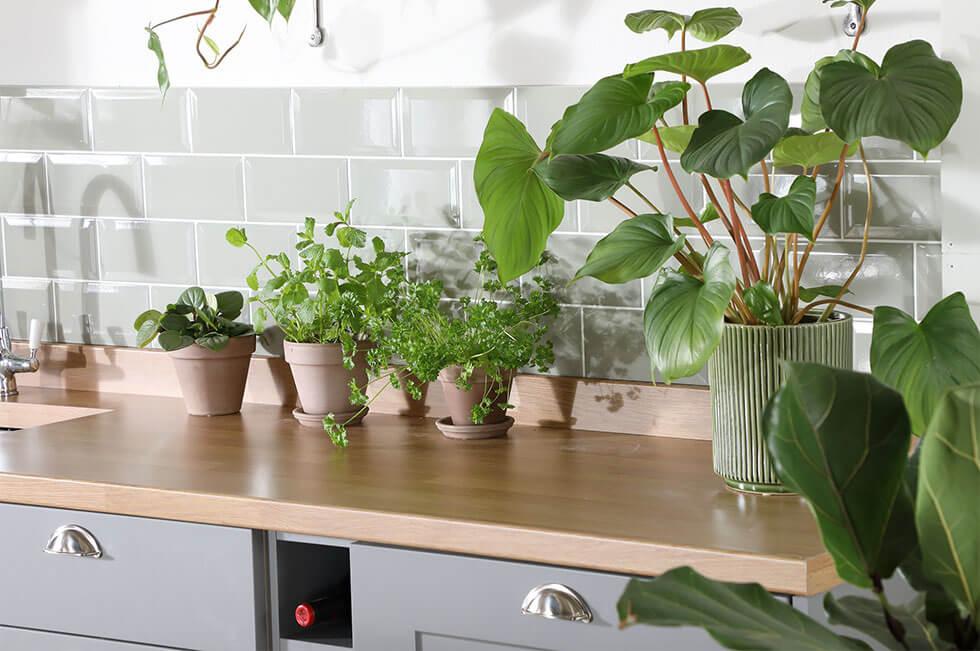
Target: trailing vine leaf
column 520, row 210
column 808, row 294
column 923, row 360
column 637, row 248
column 589, row 177
column 700, row 65
column 841, row 440
column 684, row 317
column 676, row 139
column 163, row 76
column 264, row 8
column 790, row 214
column 710, row 25
column 651, row 19
column 762, row 301
column 914, row 98
column 737, row 615
column 212, row 45
column 724, row 146
column 285, row 8
column 808, row 151
column 613, row 111
column 810, row 109
column 865, row 615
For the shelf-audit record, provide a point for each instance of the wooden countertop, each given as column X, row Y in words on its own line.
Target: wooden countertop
column 631, row 504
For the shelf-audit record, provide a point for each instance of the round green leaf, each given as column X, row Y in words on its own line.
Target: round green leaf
column 790, row 214
column 676, row 139
column 149, row 315
column 236, row 237
column 171, row 321
column 700, row 65
column 762, row 301
column 651, row 19
column 637, row 248
column 193, row 297
column 684, row 317
column 590, row 177
column 147, row 332
column 520, row 210
column 710, row 25
column 808, row 151
column 915, row 98
column 173, row 340
column 810, row 109
column 230, row 304
column 212, row 341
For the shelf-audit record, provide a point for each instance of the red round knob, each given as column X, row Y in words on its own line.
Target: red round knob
column 305, row 615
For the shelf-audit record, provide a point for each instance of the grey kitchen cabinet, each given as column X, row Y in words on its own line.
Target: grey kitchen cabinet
column 22, row 639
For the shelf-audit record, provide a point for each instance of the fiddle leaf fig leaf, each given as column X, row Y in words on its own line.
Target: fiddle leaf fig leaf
column 163, row 75
column 684, row 317
column 520, row 210
column 613, row 111
column 790, row 214
column 590, row 177
column 710, row 25
column 915, row 98
column 637, row 248
column 810, row 109
column 676, row 139
column 864, row 615
column 651, row 19
column 700, row 65
column 808, row 151
column 737, row 615
column 923, row 360
column 762, row 301
column 841, row 439
column 724, row 146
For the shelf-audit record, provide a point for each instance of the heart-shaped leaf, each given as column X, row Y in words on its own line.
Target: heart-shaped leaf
column 762, row 301
column 790, row 214
column 700, row 65
column 812, row 115
column 946, row 512
column 841, row 439
column 737, row 615
column 709, row 214
column 676, row 139
column 194, row 297
column 923, row 360
column 915, row 98
column 684, row 317
column 520, row 211
column 724, row 146
column 637, row 248
column 808, row 151
column 865, row 615
column 651, row 19
column 590, row 177
column 710, row 25
column 613, row 111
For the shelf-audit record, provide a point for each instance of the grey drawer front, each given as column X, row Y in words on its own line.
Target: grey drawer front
column 18, row 639
column 433, row 602
column 159, row 582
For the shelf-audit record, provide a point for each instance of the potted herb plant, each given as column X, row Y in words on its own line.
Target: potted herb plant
column 719, row 298
column 326, row 307
column 211, row 351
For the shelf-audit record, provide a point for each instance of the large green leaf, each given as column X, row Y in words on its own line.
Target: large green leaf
column 724, row 146
column 923, row 360
column 915, row 98
column 637, row 248
column 865, row 615
column 684, row 317
column 840, row 439
column 762, row 301
column 714, row 24
column 651, row 19
column 612, row 111
column 700, row 65
column 808, row 151
column 163, row 76
column 520, row 211
column 738, row 615
column 946, row 512
column 590, row 177
column 812, row 115
column 676, row 139
column 790, row 214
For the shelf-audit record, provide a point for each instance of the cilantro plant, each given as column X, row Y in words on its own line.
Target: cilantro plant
column 197, row 317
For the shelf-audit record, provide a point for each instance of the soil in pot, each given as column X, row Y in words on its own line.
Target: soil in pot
column 460, row 403
column 323, row 382
column 213, row 382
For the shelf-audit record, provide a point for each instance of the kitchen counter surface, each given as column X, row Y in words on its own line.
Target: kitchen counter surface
column 616, row 503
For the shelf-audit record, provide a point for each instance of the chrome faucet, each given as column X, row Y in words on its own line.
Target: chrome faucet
column 11, row 364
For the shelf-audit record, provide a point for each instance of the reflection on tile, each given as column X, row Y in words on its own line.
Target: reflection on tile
column 136, row 119
column 570, row 252
column 539, row 107
column 907, row 202
column 24, row 300
column 141, row 251
column 565, row 335
column 240, row 120
column 22, row 184
column 472, row 213
column 51, row 247
column 614, row 345
column 222, row 265
column 95, row 186
column 43, row 118
column 447, row 256
column 603, row 217
column 887, row 277
column 291, row 189
column 194, row 187
column 405, row 193
column 448, row 121
column 347, row 121
column 97, row 313
column 928, row 277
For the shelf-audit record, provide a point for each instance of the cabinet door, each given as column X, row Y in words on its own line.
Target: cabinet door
column 22, row 639
column 406, row 600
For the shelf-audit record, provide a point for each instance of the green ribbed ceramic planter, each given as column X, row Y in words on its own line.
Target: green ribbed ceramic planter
column 745, row 372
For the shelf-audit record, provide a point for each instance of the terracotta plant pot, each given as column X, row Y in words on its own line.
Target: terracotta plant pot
column 460, row 403
column 322, row 381
column 213, row 382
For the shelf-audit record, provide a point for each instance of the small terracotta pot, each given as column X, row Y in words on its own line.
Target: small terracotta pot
column 322, row 381
column 460, row 403
column 213, row 382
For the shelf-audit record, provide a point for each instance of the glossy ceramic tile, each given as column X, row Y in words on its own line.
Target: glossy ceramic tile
column 565, row 335
column 142, row 251
column 222, row 265
column 25, row 299
column 95, row 185
column 194, row 187
column 23, row 188
column 291, row 189
column 539, row 107
column 449, row 122
column 907, row 202
column 447, row 256
column 863, row 330
column 405, row 193
column 472, row 213
column 887, row 278
column 928, row 277
column 137, row 120
column 241, row 120
column 603, row 216
column 347, row 121
column 569, row 253
column 50, row 247
column 43, row 118
column 614, row 345
column 99, row 313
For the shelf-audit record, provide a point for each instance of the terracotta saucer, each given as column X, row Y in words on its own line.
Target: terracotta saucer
column 474, row 432
column 316, row 420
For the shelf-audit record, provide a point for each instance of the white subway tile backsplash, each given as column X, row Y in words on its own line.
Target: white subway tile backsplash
column 148, row 252
column 194, row 187
column 887, row 277
column 241, row 120
column 95, row 185
column 25, row 299
column 280, row 189
column 50, row 247
column 23, row 185
column 569, row 253
column 449, row 121
column 614, row 345
column 416, row 193
column 907, row 202
column 447, row 256
column 43, row 118
column 603, row 216
column 928, row 277
column 99, row 313
column 138, row 120
column 347, row 121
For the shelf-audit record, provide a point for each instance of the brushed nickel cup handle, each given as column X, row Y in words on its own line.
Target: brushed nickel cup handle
column 73, row 540
column 556, row 601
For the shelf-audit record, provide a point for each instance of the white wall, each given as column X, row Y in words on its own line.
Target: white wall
column 413, row 42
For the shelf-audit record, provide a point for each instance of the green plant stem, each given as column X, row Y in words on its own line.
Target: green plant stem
column 752, row 271
column 766, row 181
column 622, row 206
column 707, row 95
column 644, row 198
column 705, row 235
column 203, row 12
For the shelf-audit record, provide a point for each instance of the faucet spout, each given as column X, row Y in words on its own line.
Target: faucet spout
column 11, row 364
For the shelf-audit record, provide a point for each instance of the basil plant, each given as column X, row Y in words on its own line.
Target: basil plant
column 707, row 276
